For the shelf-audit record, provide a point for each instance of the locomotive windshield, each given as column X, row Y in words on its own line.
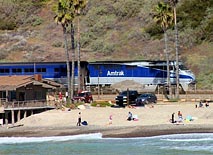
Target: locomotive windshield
column 182, row 67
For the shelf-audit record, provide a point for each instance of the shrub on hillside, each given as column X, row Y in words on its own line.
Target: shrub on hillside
column 125, row 9
column 3, row 55
column 7, row 25
column 101, row 104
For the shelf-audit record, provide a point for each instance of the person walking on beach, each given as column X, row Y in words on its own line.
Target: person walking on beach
column 79, row 119
column 110, row 119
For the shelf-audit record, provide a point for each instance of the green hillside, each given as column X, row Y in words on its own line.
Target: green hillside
column 110, row 30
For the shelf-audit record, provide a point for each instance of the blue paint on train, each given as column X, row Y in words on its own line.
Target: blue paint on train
column 144, row 72
column 49, row 70
column 122, row 70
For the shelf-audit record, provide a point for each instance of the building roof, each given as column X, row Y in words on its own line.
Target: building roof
column 14, row 82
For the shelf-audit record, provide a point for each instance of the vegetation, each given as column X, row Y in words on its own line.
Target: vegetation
column 65, row 16
column 66, row 10
column 18, row 13
column 101, row 104
column 164, row 17
column 111, row 29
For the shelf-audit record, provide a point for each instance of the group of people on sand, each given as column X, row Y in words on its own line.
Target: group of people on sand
column 130, row 117
column 180, row 118
column 201, row 104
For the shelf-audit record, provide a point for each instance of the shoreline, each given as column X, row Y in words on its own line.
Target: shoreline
column 109, row 132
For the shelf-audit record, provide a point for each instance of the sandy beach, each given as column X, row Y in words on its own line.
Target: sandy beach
column 151, row 121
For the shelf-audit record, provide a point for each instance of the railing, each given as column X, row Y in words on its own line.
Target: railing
column 2, row 100
column 23, row 104
column 190, row 97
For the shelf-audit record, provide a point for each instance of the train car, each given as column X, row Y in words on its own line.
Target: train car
column 56, row 71
column 149, row 73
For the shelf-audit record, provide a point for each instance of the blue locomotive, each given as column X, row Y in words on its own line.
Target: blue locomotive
column 149, row 73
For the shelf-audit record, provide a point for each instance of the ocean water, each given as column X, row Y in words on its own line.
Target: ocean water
column 94, row 144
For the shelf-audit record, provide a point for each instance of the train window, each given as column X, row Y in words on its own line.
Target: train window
column 4, row 70
column 163, row 67
column 131, row 67
column 41, row 70
column 64, row 70
column 16, row 70
column 171, row 68
column 182, row 67
column 159, row 67
column 28, row 70
column 110, row 66
column 56, row 69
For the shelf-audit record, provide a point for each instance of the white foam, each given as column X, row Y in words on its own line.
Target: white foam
column 189, row 140
column 177, row 137
column 189, row 148
column 189, row 137
column 15, row 140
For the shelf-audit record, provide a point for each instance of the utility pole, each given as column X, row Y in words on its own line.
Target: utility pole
column 176, row 53
column 174, row 3
column 79, row 57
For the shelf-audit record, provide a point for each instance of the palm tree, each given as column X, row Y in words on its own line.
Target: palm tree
column 72, row 34
column 173, row 4
column 73, row 57
column 75, row 6
column 79, row 5
column 64, row 17
column 164, row 17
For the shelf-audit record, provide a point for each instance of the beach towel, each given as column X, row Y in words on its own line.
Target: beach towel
column 135, row 117
column 84, row 123
column 189, row 118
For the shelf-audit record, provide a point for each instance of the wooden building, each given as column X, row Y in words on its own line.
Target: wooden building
column 21, row 96
column 25, row 88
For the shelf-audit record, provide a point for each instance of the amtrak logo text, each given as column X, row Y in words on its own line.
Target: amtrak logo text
column 115, row 73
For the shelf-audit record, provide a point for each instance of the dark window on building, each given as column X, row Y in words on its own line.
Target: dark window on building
column 27, row 70
column 16, row 70
column 2, row 94
column 4, row 70
column 41, row 70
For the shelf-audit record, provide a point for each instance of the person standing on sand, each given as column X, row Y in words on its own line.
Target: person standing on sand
column 173, row 117
column 79, row 119
column 180, row 116
column 110, row 119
